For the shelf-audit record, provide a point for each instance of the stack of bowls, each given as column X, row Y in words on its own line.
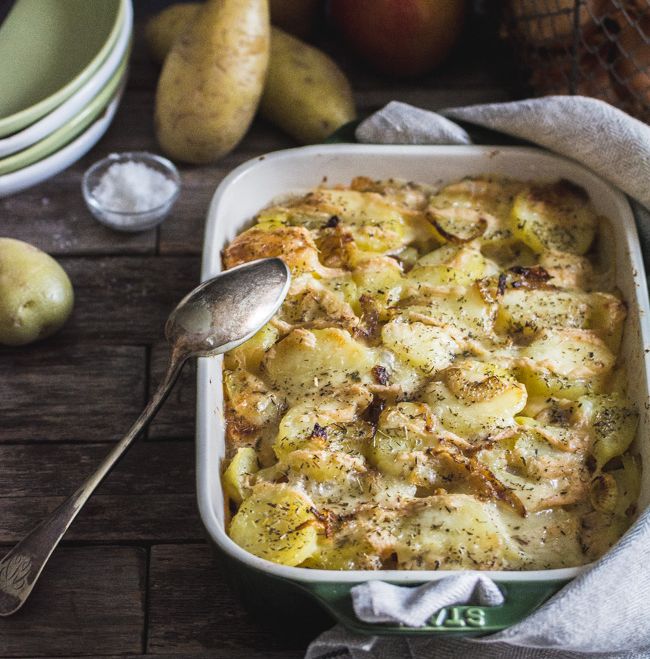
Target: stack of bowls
column 64, row 65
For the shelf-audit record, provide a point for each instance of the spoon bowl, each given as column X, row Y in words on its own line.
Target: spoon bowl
column 228, row 309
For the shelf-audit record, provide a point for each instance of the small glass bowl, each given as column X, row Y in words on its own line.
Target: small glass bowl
column 130, row 220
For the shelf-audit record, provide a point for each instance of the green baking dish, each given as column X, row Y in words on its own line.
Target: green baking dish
column 321, row 596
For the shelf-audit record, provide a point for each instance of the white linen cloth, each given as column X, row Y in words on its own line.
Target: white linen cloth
column 603, row 611
column 377, row 601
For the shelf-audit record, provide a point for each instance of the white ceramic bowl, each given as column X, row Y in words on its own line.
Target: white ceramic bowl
column 75, row 103
column 57, row 162
column 258, row 182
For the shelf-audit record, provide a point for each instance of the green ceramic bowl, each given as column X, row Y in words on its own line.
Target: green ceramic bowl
column 59, row 138
column 48, row 50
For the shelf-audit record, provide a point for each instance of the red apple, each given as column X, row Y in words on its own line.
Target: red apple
column 400, row 37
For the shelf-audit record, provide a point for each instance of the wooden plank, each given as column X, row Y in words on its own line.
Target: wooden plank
column 125, row 299
column 191, row 611
column 54, row 217
column 74, row 393
column 182, row 232
column 109, row 518
column 176, row 418
column 42, row 470
column 89, row 600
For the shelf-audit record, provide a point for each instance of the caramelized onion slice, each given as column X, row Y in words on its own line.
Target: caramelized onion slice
column 483, row 480
column 451, row 230
column 473, row 391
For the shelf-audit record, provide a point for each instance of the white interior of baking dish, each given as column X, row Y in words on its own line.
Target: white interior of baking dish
column 255, row 184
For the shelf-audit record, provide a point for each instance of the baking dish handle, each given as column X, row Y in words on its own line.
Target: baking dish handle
column 521, row 599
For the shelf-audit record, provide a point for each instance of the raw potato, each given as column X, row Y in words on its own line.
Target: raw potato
column 163, row 28
column 306, row 94
column 294, row 16
column 36, row 295
column 212, row 80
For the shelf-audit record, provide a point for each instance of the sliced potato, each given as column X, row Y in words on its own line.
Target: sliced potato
column 458, row 225
column 608, row 318
column 494, row 195
column 602, row 527
column 319, row 466
column 463, row 308
column 276, row 522
column 450, row 264
column 250, row 398
column 556, row 216
column 454, row 531
column 599, row 532
column 567, row 363
column 546, row 539
column 628, row 485
column 236, row 477
column 308, row 362
column 567, row 270
column 426, row 347
column 476, row 399
column 612, row 422
column 524, row 311
column 325, row 424
column 404, row 431
column 250, row 353
column 348, row 551
column 294, row 245
column 381, row 279
column 536, row 471
column 376, row 226
column 309, row 303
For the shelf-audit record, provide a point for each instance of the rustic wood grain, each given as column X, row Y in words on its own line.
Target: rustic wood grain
column 54, row 217
column 44, row 470
column 125, row 300
column 177, row 417
column 89, row 600
column 192, row 611
column 73, row 393
column 109, row 518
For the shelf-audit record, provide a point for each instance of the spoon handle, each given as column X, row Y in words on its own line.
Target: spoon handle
column 22, row 566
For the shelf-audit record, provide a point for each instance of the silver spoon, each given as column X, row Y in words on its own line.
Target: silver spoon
column 215, row 317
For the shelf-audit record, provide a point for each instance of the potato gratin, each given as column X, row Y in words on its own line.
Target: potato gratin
column 440, row 389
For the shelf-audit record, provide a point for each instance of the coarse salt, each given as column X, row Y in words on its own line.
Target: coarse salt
column 132, row 187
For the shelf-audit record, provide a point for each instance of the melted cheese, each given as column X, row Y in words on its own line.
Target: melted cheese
column 440, row 389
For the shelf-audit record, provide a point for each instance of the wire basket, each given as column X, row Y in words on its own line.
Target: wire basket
column 598, row 48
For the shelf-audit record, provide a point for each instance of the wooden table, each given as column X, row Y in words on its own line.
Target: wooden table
column 134, row 575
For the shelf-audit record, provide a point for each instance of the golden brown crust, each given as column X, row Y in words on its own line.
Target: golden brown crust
column 432, row 395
